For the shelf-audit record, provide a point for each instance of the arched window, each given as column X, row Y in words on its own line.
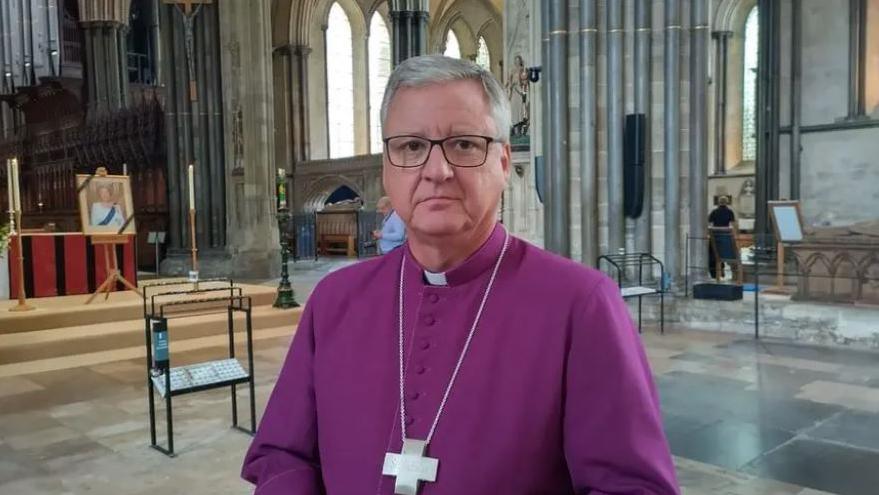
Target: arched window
column 379, row 71
column 483, row 58
column 453, row 49
column 340, row 83
column 749, row 89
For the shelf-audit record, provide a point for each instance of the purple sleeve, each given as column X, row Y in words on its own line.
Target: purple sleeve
column 283, row 458
column 614, row 441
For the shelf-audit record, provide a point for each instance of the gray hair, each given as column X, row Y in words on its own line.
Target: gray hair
column 425, row 70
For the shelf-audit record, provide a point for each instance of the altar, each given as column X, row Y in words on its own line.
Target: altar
column 64, row 263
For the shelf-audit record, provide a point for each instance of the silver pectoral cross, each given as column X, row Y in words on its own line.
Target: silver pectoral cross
column 410, row 467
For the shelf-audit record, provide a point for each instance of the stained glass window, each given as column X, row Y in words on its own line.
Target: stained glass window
column 749, row 91
column 379, row 71
column 340, row 83
column 453, row 49
column 483, row 58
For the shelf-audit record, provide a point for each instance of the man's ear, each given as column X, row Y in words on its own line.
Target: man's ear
column 506, row 161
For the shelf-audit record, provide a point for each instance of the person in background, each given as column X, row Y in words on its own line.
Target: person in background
column 722, row 216
column 393, row 232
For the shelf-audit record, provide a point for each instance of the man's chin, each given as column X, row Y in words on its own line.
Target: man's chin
column 439, row 227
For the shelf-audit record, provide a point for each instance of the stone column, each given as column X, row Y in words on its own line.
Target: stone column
column 616, row 224
column 105, row 24
column 857, row 57
column 698, row 128
column 248, row 130
column 672, row 127
column 299, row 101
column 643, row 32
column 720, row 96
column 796, row 103
column 558, row 237
column 588, row 144
column 409, row 28
column 195, row 134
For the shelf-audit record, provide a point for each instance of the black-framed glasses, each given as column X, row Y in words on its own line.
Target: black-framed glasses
column 465, row 151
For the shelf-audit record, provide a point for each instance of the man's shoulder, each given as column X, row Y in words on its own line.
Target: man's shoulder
column 358, row 278
column 549, row 270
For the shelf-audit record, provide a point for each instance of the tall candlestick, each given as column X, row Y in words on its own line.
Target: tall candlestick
column 124, row 169
column 191, row 186
column 16, row 185
column 9, row 185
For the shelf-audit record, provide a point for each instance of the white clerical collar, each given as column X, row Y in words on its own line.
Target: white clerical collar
column 435, row 278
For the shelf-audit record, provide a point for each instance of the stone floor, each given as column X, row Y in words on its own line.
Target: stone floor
column 743, row 418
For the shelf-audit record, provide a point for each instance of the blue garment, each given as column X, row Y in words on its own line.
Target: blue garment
column 393, row 233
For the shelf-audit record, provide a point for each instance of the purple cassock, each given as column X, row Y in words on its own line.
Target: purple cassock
column 554, row 396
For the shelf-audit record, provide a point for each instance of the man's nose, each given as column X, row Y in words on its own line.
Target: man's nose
column 437, row 168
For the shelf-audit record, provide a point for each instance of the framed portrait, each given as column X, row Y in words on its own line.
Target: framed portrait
column 787, row 220
column 105, row 204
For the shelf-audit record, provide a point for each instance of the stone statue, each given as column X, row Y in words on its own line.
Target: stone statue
column 518, row 87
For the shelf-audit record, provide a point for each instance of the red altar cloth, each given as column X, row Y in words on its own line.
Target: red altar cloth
column 64, row 264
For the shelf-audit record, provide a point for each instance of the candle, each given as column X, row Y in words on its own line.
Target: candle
column 124, row 169
column 282, row 188
column 16, row 185
column 191, row 186
column 9, row 185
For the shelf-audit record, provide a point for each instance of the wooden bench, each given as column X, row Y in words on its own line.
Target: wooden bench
column 337, row 244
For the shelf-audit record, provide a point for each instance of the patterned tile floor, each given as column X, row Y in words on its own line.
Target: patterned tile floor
column 743, row 418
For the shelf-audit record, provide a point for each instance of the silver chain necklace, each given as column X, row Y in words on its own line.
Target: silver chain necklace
column 411, row 466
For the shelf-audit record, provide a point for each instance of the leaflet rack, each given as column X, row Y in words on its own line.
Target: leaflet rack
column 643, row 262
column 164, row 301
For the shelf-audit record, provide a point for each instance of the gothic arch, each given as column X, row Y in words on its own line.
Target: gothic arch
column 730, row 14
column 323, row 187
column 468, row 19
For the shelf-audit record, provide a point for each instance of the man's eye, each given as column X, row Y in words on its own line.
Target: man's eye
column 413, row 145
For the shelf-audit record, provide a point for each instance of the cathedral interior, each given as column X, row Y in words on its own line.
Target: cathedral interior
column 245, row 138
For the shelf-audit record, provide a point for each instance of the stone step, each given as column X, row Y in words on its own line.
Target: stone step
column 59, row 342
column 71, row 311
column 188, row 351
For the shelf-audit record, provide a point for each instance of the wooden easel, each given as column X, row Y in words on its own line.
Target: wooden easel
column 109, row 242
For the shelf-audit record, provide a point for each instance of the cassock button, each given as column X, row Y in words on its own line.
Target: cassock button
column 425, row 345
column 420, row 370
column 409, row 420
column 429, row 320
column 433, row 298
column 414, row 395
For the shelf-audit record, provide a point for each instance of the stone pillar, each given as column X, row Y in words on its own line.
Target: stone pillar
column 796, row 103
column 767, row 113
column 643, row 32
column 672, row 127
column 588, row 144
column 299, row 101
column 698, row 128
column 194, row 130
column 105, row 26
column 409, row 28
column 616, row 224
column 558, row 175
column 857, row 58
column 721, row 39
column 248, row 132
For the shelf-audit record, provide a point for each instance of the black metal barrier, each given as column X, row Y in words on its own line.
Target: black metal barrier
column 164, row 301
column 645, row 285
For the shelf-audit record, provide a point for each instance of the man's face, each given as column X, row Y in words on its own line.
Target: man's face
column 438, row 199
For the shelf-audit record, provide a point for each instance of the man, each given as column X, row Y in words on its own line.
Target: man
column 722, row 216
column 393, row 231
column 468, row 362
